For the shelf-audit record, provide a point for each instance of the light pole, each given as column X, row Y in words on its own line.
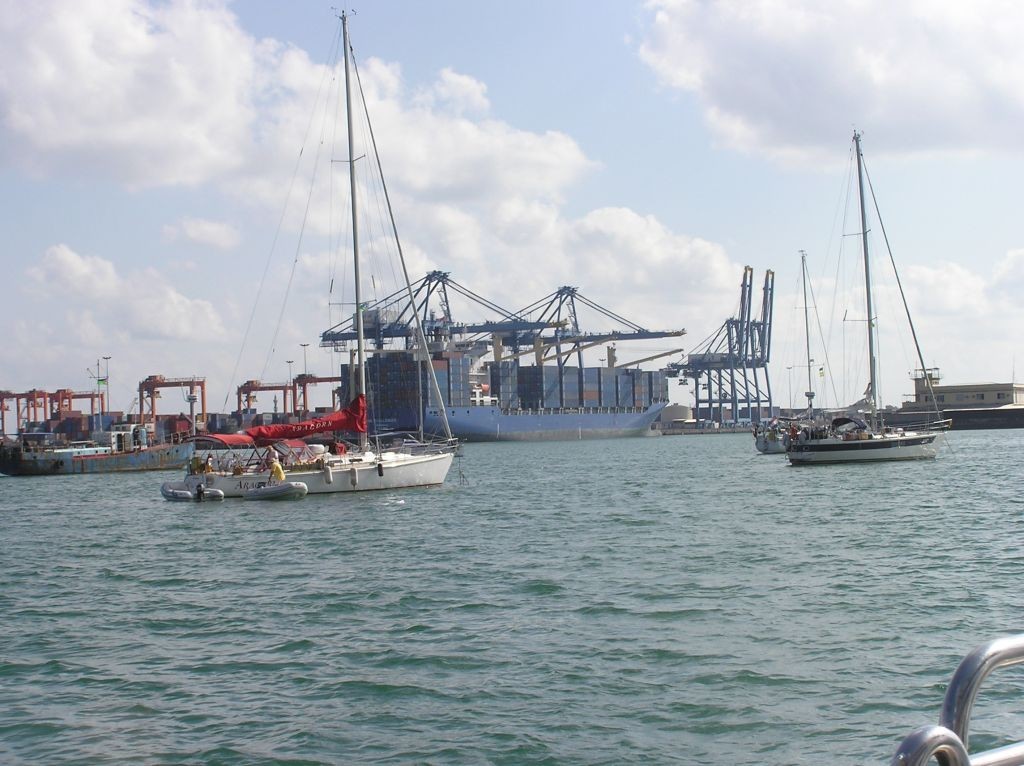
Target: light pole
column 305, row 370
column 106, row 382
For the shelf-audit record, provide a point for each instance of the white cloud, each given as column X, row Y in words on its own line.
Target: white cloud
column 645, row 269
column 456, row 93
column 140, row 305
column 177, row 93
column 951, row 289
column 1009, row 276
column 217, row 234
column 444, row 156
column 64, row 269
column 147, row 94
column 784, row 77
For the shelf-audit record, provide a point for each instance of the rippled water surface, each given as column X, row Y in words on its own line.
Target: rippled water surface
column 672, row 600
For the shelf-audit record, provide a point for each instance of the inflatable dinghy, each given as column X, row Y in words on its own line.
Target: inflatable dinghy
column 288, row 490
column 177, row 490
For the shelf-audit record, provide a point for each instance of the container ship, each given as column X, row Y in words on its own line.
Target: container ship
column 489, row 423
column 509, row 402
column 521, row 403
column 493, row 390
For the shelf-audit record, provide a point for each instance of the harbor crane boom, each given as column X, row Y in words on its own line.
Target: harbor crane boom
column 649, row 358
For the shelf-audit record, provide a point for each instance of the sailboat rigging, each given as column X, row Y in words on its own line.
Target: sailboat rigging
column 809, row 393
column 849, row 439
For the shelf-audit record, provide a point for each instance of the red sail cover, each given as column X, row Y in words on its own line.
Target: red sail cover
column 352, row 418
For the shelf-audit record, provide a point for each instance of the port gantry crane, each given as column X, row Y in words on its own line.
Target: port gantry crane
column 383, row 321
column 246, row 393
column 149, row 392
column 391, row 318
column 62, row 401
column 727, row 366
column 300, row 391
column 39, row 405
column 36, row 404
column 297, row 389
column 29, row 407
column 560, row 310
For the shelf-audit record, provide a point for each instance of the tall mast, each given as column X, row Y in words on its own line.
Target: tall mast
column 360, row 341
column 807, row 339
column 872, row 361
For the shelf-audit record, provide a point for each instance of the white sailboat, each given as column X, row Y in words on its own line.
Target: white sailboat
column 243, row 469
column 773, row 438
column 851, row 440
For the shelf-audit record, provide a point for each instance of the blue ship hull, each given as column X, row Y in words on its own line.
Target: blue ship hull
column 486, row 423
column 14, row 461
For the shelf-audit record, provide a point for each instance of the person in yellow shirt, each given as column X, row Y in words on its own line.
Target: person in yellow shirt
column 276, row 471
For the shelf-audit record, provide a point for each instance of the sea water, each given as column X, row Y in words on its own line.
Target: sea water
column 637, row 601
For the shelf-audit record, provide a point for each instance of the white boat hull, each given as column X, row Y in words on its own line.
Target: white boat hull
column 766, row 447
column 770, row 442
column 880, row 447
column 387, row 471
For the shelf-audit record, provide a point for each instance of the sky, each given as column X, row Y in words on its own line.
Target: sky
column 642, row 152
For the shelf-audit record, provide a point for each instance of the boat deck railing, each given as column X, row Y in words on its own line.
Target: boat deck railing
column 947, row 742
column 925, row 425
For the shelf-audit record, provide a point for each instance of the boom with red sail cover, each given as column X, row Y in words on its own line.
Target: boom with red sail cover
column 352, row 418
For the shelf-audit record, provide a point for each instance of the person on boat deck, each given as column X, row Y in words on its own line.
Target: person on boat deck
column 276, row 471
column 208, row 468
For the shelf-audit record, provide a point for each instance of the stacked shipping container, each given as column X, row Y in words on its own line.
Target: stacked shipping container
column 505, row 384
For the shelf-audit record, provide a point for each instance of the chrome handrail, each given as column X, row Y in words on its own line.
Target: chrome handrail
column 947, row 742
column 928, row 742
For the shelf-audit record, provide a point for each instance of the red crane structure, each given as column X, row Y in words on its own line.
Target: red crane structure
column 248, row 391
column 33, row 404
column 149, row 391
column 5, row 396
column 62, row 401
column 300, row 390
column 36, row 404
